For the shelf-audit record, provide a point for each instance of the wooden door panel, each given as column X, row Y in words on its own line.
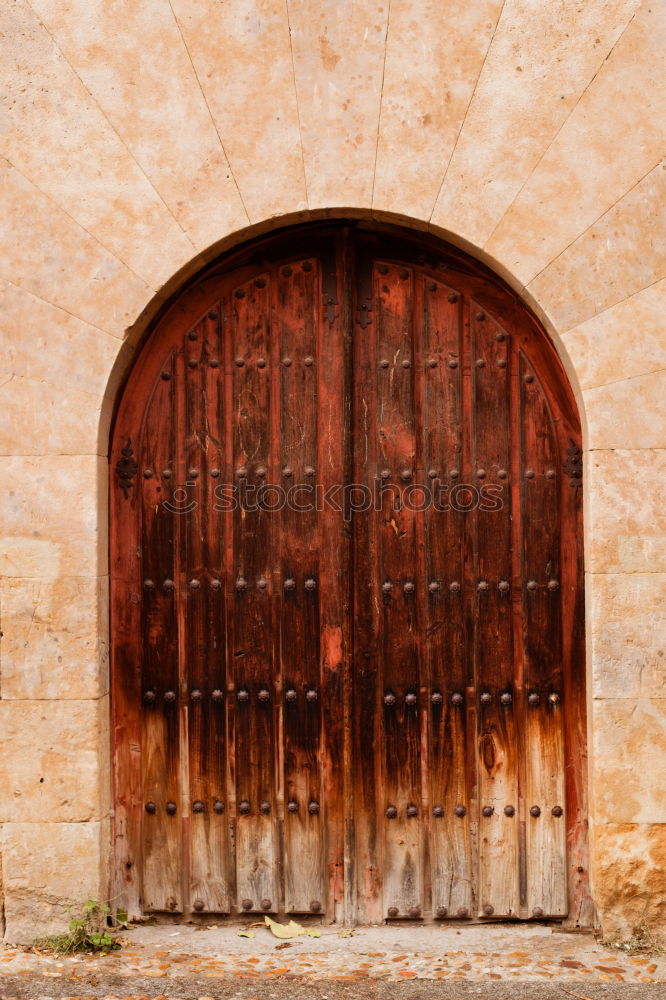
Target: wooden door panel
column 544, row 737
column 494, row 652
column 448, row 678
column 299, row 543
column 252, row 635
column 360, row 692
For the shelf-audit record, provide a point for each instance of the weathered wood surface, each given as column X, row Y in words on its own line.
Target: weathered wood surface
column 395, row 672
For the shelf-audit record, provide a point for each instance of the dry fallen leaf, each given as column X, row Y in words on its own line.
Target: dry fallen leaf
column 290, row 930
column 247, row 934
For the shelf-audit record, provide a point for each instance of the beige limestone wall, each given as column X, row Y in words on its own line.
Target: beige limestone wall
column 136, row 140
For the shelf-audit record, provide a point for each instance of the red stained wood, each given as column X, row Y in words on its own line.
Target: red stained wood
column 319, row 359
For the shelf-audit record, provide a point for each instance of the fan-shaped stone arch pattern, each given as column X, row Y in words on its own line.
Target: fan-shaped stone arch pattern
column 139, row 140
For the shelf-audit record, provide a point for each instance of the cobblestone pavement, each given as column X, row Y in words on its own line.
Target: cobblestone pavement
column 415, row 963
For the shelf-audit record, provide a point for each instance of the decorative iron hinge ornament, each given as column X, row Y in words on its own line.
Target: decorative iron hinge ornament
column 330, row 302
column 126, row 468
column 364, row 319
column 573, row 465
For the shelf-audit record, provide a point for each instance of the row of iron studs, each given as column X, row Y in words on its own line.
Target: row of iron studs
column 387, row 586
column 244, row 808
column 389, row 699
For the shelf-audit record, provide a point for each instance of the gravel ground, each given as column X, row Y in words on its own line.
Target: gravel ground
column 181, row 962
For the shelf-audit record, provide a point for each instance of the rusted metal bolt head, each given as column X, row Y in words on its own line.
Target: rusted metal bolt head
column 214, row 363
column 292, row 807
column 580, row 869
column 196, row 696
column 308, row 362
column 535, row 811
column 389, row 698
column 436, row 698
column 481, row 473
column 391, row 812
column 405, row 474
column 383, row 363
column 463, row 911
column 438, row 811
column 247, row 904
column 149, row 697
column 533, row 698
column 195, row 584
column 311, row 695
column 262, row 583
column 502, row 473
column 218, row 806
column 166, row 473
column 412, row 811
column 148, row 584
column 480, row 363
column 193, row 362
column 557, row 811
column 286, row 362
column 501, row 363
column 505, row 698
column 261, row 362
column 385, row 474
column 530, row 474
column 537, row 911
column 553, row 585
column 480, row 317
column 290, row 695
column 482, row 585
column 550, row 473
column 265, row 808
column 265, row 904
column 411, row 698
column 309, row 470
column 452, row 297
column 198, row 905
column 432, row 362
column 244, row 807
column 212, row 314
column 433, row 586
column 217, row 695
column 287, row 472
column 313, row 808
column 239, row 362
column 453, row 363
column 457, row 698
column 169, row 696
column 310, row 584
column 171, row 808
column 243, row 695
column 315, row 906
column 415, row 912
column 554, row 698
column 406, row 363
column 532, row 585
column 442, row 911
column 215, row 584
column 503, row 586
column 166, row 376
column 529, row 378
column 488, row 910
column 387, row 587
column 460, row 810
column 509, row 811
column 487, row 811
column 147, row 473
column 454, row 473
column 198, row 806
column 454, row 587
column 151, row 808
column 289, row 584
column 192, row 473
column 433, row 473
column 261, row 471
column 486, row 698
column 215, row 473
column 241, row 584
column 264, row 695
column 393, row 911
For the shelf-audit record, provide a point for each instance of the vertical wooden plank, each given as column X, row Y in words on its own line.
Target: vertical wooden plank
column 449, row 843
column 203, row 534
column 252, row 639
column 162, row 841
column 499, row 890
column 299, row 561
column 544, row 744
column 400, row 804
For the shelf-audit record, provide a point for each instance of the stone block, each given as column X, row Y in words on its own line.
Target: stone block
column 49, row 867
column 50, row 516
column 54, row 638
column 55, row 761
column 626, row 519
column 629, row 878
column 629, row 761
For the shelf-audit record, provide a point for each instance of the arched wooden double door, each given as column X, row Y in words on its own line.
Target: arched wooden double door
column 346, row 594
